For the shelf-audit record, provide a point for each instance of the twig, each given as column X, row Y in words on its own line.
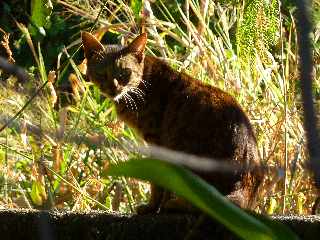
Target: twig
column 98, row 16
column 201, row 164
column 5, row 45
column 24, row 107
column 89, row 140
column 23, row 77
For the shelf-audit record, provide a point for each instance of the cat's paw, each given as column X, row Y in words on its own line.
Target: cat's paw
column 144, row 209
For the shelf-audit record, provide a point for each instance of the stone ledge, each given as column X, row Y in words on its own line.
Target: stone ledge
column 98, row 225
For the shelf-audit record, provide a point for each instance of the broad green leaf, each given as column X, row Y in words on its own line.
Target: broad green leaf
column 40, row 12
column 108, row 202
column 201, row 194
column 2, row 156
column 136, row 7
column 41, row 65
column 272, row 206
column 38, row 193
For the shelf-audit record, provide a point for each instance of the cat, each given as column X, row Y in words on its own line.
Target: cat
column 173, row 110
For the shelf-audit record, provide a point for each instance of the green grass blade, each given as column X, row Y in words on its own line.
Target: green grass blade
column 197, row 191
column 40, row 12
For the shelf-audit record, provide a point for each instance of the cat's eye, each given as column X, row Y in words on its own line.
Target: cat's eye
column 124, row 76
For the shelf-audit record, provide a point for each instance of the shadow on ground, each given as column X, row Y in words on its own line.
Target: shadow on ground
column 62, row 225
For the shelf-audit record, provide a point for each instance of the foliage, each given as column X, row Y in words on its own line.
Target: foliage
column 136, row 6
column 258, row 28
column 40, row 12
column 54, row 153
column 202, row 195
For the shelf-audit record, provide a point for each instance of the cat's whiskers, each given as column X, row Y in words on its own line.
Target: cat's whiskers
column 129, row 101
column 126, row 104
column 145, row 83
column 125, row 100
column 119, row 96
column 132, row 102
column 138, row 93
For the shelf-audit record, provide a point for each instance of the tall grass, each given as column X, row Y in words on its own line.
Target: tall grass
column 53, row 158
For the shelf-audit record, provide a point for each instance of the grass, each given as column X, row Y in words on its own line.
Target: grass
column 53, row 157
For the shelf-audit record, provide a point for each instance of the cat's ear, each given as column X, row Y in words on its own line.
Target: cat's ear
column 90, row 44
column 138, row 45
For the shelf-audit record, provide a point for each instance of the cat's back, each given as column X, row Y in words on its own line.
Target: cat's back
column 202, row 97
column 204, row 120
column 185, row 91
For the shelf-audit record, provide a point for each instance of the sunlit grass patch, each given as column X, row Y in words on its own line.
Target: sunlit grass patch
column 53, row 157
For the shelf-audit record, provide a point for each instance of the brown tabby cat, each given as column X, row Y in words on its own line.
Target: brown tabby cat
column 174, row 110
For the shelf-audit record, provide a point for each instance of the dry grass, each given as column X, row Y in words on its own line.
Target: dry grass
column 53, row 158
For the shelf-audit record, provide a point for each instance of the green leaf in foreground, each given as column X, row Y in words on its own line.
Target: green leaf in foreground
column 204, row 196
column 136, row 7
column 40, row 12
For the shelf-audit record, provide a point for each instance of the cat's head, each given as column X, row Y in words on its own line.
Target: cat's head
column 116, row 69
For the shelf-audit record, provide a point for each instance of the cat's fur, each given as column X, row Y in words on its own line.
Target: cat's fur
column 174, row 110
